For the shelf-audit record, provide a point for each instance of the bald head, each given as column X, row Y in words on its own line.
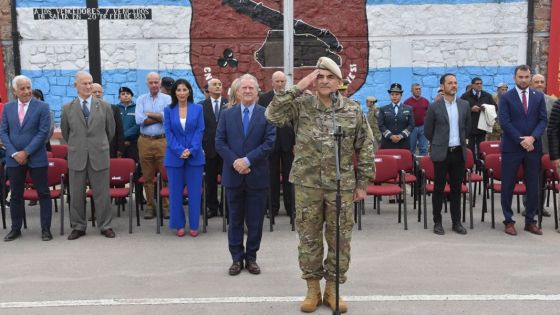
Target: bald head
column 538, row 82
column 153, row 81
column 278, row 81
column 215, row 88
column 83, row 83
column 97, row 90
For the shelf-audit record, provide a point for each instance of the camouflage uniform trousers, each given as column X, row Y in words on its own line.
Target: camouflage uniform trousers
column 315, row 209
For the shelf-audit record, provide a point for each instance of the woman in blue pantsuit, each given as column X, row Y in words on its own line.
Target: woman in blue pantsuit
column 184, row 158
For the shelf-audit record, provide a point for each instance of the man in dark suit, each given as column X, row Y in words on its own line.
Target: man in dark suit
column 522, row 115
column 476, row 96
column 211, row 107
column 446, row 126
column 244, row 139
column 88, row 126
column 282, row 154
column 25, row 128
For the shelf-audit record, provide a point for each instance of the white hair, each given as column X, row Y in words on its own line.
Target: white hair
column 250, row 77
column 19, row 78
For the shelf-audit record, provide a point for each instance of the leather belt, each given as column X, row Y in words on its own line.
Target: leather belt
column 152, row 137
column 453, row 149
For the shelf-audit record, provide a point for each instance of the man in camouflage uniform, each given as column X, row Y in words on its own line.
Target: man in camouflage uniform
column 313, row 174
column 372, row 119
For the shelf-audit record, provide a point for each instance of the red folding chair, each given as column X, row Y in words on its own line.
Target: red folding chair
column 494, row 172
column 57, row 170
column 405, row 161
column 387, row 173
column 551, row 183
column 476, row 178
column 428, row 177
column 59, row 151
column 121, row 172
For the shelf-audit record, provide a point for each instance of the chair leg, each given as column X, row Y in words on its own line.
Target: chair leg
column 492, row 209
column 404, row 209
column 464, row 207
column 24, row 216
column 425, row 212
column 474, row 195
column 398, row 201
column 92, row 212
column 518, row 205
column 555, row 209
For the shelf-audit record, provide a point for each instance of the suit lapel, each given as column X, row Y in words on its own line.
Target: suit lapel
column 77, row 108
column 443, row 110
column 176, row 119
column 27, row 117
column 252, row 120
column 238, row 120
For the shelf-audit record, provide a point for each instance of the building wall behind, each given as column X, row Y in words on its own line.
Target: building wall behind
column 383, row 41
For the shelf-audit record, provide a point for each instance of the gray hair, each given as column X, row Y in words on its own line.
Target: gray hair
column 248, row 76
column 81, row 73
column 19, row 78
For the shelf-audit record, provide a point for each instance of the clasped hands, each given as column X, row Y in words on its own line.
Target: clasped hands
column 186, row 154
column 396, row 138
column 241, row 166
column 527, row 143
column 21, row 157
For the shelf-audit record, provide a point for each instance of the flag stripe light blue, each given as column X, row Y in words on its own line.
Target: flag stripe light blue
column 419, row 2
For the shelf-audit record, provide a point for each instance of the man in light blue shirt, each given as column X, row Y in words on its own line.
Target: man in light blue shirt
column 151, row 143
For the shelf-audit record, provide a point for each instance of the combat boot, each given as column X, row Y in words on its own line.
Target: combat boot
column 313, row 297
column 329, row 298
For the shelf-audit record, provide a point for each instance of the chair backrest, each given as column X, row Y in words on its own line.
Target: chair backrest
column 120, row 169
column 405, row 159
column 494, row 163
column 59, row 150
column 469, row 163
column 49, row 154
column 549, row 167
column 427, row 166
column 386, row 168
column 489, row 147
column 57, row 167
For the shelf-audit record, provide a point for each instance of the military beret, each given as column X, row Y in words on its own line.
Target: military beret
column 327, row 63
column 125, row 89
column 371, row 99
column 395, row 87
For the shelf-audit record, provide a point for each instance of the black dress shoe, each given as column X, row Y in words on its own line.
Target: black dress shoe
column 76, row 234
column 458, row 228
column 438, row 229
column 12, row 235
column 235, row 268
column 108, row 233
column 252, row 267
column 46, row 235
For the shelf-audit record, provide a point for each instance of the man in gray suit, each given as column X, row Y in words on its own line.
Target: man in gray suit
column 88, row 126
column 447, row 125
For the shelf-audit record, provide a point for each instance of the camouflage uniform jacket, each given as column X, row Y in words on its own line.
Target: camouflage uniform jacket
column 372, row 120
column 314, row 158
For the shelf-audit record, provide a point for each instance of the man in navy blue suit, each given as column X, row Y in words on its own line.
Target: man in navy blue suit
column 25, row 127
column 522, row 115
column 244, row 138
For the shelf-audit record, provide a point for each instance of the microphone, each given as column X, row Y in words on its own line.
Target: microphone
column 334, row 97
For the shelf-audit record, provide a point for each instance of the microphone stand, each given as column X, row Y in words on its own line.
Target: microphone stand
column 338, row 135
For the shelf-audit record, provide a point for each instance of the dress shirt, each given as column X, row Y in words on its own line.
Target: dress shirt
column 251, row 107
column 25, row 107
column 147, row 103
column 395, row 108
column 453, row 114
column 520, row 94
column 214, row 100
column 88, row 100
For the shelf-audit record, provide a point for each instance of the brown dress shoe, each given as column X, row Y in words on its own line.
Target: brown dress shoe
column 510, row 229
column 235, row 268
column 252, row 267
column 108, row 233
column 76, row 234
column 533, row 228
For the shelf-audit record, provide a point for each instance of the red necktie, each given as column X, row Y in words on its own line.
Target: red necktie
column 524, row 100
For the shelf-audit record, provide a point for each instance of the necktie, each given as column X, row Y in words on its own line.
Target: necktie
column 245, row 121
column 524, row 101
column 21, row 113
column 85, row 110
column 216, row 109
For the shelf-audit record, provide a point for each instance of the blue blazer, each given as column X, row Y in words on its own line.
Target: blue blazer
column 515, row 123
column 178, row 139
column 31, row 136
column 232, row 144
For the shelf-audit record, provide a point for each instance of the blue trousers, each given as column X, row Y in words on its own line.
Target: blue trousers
column 178, row 177
column 245, row 205
column 531, row 162
column 417, row 136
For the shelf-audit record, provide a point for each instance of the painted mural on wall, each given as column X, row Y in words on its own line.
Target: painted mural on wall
column 376, row 42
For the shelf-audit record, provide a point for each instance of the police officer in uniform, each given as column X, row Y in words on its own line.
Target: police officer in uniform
column 396, row 121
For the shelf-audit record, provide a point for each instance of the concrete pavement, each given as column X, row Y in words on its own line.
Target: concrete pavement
column 392, row 271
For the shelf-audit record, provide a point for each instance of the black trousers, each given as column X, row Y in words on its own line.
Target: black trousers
column 452, row 169
column 213, row 168
column 474, row 143
column 281, row 162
